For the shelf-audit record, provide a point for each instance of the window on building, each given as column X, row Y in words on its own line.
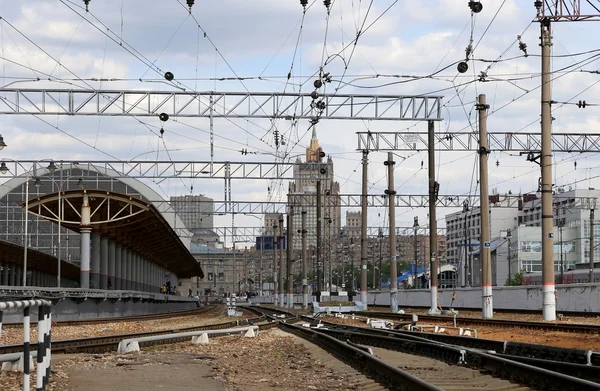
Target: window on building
column 211, row 276
column 221, row 276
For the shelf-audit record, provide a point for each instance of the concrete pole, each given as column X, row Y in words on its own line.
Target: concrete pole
column 112, row 254
column 118, row 262
column 260, row 272
column 290, row 256
column 363, row 231
column 85, row 230
column 233, row 277
column 591, row 277
column 548, row 300
column 103, row 263
column 304, row 263
column 433, row 260
column 275, row 275
column 484, row 243
column 392, row 212
column 281, row 264
column 319, row 240
column 95, row 275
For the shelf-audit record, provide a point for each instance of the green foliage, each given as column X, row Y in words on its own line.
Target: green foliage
column 516, row 280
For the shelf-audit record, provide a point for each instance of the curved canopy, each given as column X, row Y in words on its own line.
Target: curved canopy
column 37, row 260
column 129, row 221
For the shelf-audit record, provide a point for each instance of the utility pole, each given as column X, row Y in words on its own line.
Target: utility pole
column 467, row 278
column 319, row 268
column 260, row 272
column 281, row 264
column 246, row 270
column 304, row 260
column 548, row 300
column 274, row 274
column 380, row 256
column 363, row 231
column 392, row 215
column 484, row 243
column 433, row 190
column 233, row 274
column 415, row 248
column 290, row 256
column 591, row 279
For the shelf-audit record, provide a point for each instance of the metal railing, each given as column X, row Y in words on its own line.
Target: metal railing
column 43, row 342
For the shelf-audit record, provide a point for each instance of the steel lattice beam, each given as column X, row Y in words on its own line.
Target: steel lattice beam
column 253, row 232
column 168, row 169
column 225, row 104
column 569, row 10
column 417, row 141
column 402, row 201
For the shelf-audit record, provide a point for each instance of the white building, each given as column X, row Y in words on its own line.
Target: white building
column 196, row 211
column 463, row 230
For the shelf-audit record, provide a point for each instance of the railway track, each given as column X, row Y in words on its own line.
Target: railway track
column 111, row 342
column 562, row 327
column 162, row 315
column 476, row 369
column 499, row 310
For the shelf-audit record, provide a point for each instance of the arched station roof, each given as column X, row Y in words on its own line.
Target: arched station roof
column 129, row 221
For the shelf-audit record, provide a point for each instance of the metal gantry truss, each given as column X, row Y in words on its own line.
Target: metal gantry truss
column 249, row 234
column 402, row 201
column 169, row 169
column 497, row 141
column 569, row 10
column 224, row 104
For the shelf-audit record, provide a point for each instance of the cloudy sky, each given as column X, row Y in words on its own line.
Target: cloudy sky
column 405, row 47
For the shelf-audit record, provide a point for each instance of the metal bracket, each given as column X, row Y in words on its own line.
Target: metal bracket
column 533, row 157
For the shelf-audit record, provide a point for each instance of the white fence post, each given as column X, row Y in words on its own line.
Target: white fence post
column 44, row 339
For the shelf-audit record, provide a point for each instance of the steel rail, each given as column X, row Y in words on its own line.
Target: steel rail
column 111, row 342
column 583, row 314
column 162, row 315
column 373, row 367
column 508, row 369
column 571, row 328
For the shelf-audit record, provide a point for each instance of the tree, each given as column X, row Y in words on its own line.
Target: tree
column 517, row 279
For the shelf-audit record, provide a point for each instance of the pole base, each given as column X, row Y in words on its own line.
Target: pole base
column 394, row 301
column 548, row 302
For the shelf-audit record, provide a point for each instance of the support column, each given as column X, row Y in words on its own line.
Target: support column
column 392, row 216
column 84, row 268
column 134, row 270
column 128, row 269
column 5, row 267
column 548, row 298
column 484, row 243
column 95, row 274
column 85, row 246
column 11, row 275
column 118, row 263
column 112, row 254
column 103, row 263
column 363, row 231
column 433, row 192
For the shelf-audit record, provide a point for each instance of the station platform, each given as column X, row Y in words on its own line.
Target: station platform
column 82, row 304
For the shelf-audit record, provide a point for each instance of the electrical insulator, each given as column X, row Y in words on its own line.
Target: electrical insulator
column 497, row 163
column 327, row 3
column 581, row 104
column 169, row 76
column 575, row 164
column 162, row 131
column 276, row 135
column 87, row 3
column 318, row 83
column 303, row 3
column 462, row 67
column 190, row 3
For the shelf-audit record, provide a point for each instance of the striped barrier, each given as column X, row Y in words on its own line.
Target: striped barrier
column 44, row 339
